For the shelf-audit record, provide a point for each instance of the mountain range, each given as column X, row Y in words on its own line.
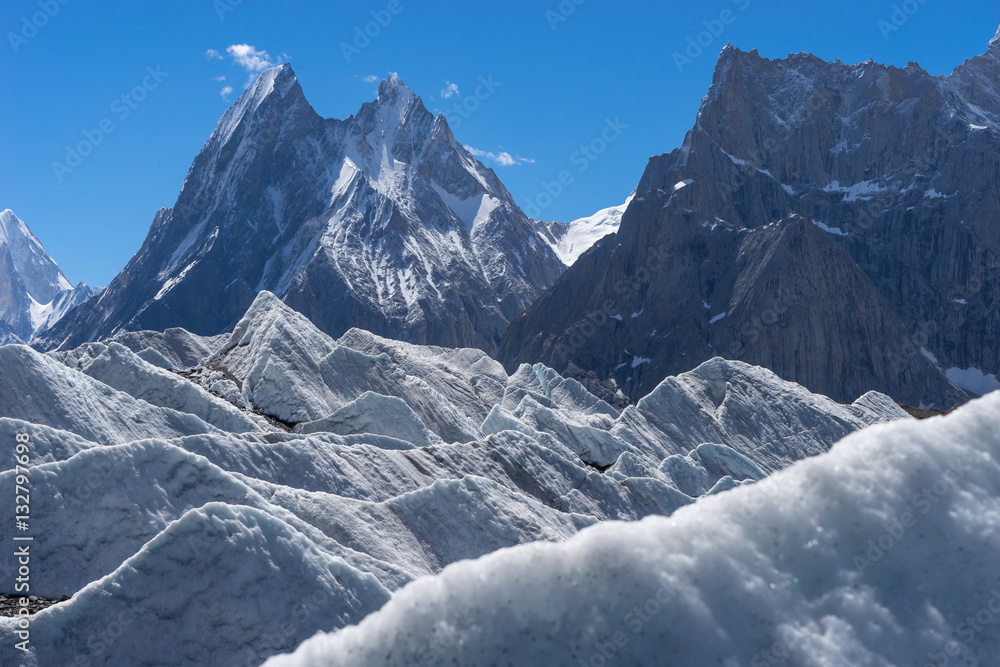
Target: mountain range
column 834, row 223
column 308, row 425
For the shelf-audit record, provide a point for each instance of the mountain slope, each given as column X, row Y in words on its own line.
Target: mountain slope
column 894, row 166
column 572, row 239
column 382, row 221
column 34, row 294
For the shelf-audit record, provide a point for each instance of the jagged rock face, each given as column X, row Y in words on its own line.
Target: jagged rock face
column 381, row 221
column 889, row 277
column 34, row 294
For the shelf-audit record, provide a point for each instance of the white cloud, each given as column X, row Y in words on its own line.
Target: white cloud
column 249, row 58
column 212, row 54
column 503, row 158
column 226, row 92
column 371, row 78
column 449, row 90
column 219, row 78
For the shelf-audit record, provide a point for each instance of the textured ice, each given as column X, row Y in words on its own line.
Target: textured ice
column 424, row 530
column 746, row 408
column 38, row 389
column 221, row 585
column 48, row 444
column 120, row 368
column 155, row 358
column 377, row 461
column 138, row 489
column 182, row 349
column 376, row 414
column 876, row 553
column 276, row 353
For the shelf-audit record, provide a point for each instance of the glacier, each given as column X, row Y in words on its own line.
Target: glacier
column 880, row 552
column 251, row 489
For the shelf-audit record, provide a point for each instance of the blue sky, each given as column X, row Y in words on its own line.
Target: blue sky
column 562, row 72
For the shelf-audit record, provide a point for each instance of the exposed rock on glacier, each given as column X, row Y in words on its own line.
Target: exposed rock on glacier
column 290, row 370
column 275, row 353
column 824, row 563
column 119, row 368
column 293, row 372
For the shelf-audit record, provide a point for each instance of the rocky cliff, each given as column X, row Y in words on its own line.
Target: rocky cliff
column 836, row 223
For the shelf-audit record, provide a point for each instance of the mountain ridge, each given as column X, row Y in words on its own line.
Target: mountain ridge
column 382, row 220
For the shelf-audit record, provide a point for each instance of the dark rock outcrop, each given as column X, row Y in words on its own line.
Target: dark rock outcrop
column 843, row 217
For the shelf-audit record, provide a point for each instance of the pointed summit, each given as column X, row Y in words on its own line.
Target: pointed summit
column 276, row 93
column 995, row 43
column 392, row 85
column 11, row 227
column 34, row 293
column 28, row 258
column 394, row 93
column 280, row 79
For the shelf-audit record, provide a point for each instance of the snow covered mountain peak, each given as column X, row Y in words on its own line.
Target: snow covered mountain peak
column 34, row 293
column 570, row 240
column 280, row 79
column 995, row 42
column 275, row 93
column 382, row 220
column 28, row 258
column 394, row 109
column 10, row 225
column 393, row 87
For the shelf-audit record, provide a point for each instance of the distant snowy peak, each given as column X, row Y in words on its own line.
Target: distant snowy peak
column 995, row 42
column 40, row 273
column 570, row 240
column 34, row 293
